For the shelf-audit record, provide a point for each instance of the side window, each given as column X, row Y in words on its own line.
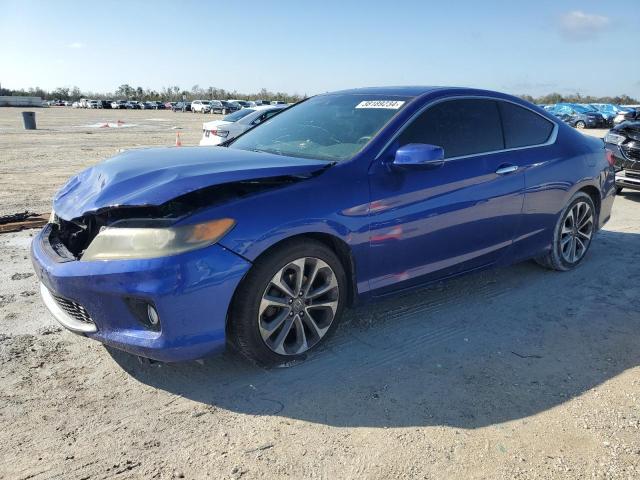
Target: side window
column 265, row 116
column 460, row 127
column 270, row 114
column 523, row 127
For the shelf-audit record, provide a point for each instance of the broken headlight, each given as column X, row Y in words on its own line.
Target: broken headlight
column 129, row 239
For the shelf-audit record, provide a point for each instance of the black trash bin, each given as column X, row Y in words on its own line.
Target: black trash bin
column 29, row 120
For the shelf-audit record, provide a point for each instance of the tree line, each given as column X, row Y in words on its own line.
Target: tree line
column 176, row 94
column 553, row 98
column 172, row 93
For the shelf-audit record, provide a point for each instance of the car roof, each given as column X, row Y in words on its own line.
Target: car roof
column 406, row 91
column 267, row 107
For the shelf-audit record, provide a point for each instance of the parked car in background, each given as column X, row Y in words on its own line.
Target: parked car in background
column 218, row 131
column 622, row 142
column 216, row 106
column 173, row 253
column 591, row 108
column 578, row 116
column 160, row 105
column 119, row 105
column 278, row 102
column 230, row 107
column 169, row 105
column 94, row 104
column 76, row 104
column 106, row 104
column 626, row 114
column 608, row 109
column 200, row 106
column 181, row 107
column 242, row 103
column 147, row 106
column 133, row 105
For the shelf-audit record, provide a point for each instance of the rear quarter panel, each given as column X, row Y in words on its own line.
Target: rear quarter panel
column 575, row 162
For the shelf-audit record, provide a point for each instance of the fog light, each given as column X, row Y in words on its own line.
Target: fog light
column 152, row 313
column 144, row 312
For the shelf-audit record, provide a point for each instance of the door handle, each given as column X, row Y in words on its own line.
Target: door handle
column 506, row 169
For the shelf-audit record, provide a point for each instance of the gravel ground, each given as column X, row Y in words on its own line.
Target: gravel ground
column 511, row 373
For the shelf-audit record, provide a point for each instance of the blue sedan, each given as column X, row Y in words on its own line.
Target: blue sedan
column 172, row 253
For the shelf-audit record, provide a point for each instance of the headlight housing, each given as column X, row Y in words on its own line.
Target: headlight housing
column 129, row 239
column 614, row 138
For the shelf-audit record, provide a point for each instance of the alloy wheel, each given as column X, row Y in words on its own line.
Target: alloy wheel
column 576, row 232
column 298, row 306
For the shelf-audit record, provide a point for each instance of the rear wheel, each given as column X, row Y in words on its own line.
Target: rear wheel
column 580, row 125
column 289, row 303
column 572, row 235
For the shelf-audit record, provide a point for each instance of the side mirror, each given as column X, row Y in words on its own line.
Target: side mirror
column 419, row 155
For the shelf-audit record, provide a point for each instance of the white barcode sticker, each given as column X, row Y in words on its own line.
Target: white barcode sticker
column 390, row 104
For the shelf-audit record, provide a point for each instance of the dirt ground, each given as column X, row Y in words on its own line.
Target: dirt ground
column 513, row 373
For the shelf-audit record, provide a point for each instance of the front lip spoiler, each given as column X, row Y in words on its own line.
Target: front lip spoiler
column 63, row 317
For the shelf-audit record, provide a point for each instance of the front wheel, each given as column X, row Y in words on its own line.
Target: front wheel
column 618, row 190
column 580, row 125
column 288, row 304
column 572, row 235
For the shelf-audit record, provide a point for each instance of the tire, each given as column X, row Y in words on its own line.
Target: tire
column 564, row 235
column 580, row 125
column 283, row 332
column 619, row 190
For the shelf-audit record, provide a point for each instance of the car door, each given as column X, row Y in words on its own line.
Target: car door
column 427, row 224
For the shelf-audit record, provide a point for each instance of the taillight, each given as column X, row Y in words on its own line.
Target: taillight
column 610, row 158
column 214, row 132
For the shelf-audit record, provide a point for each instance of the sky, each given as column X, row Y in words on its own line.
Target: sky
column 309, row 46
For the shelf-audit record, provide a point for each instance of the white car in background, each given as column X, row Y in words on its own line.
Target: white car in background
column 232, row 125
column 200, row 106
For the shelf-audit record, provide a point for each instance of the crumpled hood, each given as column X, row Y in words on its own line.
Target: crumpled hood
column 151, row 177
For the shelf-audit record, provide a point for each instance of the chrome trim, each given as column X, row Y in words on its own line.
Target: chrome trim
column 508, row 169
column 63, row 317
column 623, row 178
column 552, row 137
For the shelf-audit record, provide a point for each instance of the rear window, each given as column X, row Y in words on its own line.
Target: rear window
column 460, row 127
column 522, row 127
column 235, row 116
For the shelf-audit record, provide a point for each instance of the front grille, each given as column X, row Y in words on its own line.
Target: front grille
column 631, row 153
column 73, row 309
column 631, row 174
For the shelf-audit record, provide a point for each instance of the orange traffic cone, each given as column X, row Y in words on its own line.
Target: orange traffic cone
column 178, row 142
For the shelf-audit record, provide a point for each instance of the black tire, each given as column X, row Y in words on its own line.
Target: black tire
column 554, row 259
column 580, row 125
column 242, row 323
column 618, row 190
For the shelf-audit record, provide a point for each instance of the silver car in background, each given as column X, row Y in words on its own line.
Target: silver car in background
column 232, row 125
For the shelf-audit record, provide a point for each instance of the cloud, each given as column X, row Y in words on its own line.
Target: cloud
column 579, row 26
column 75, row 45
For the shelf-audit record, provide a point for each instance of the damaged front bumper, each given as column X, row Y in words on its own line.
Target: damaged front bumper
column 190, row 292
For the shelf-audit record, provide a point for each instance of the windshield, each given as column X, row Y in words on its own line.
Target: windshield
column 326, row 127
column 235, row 116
